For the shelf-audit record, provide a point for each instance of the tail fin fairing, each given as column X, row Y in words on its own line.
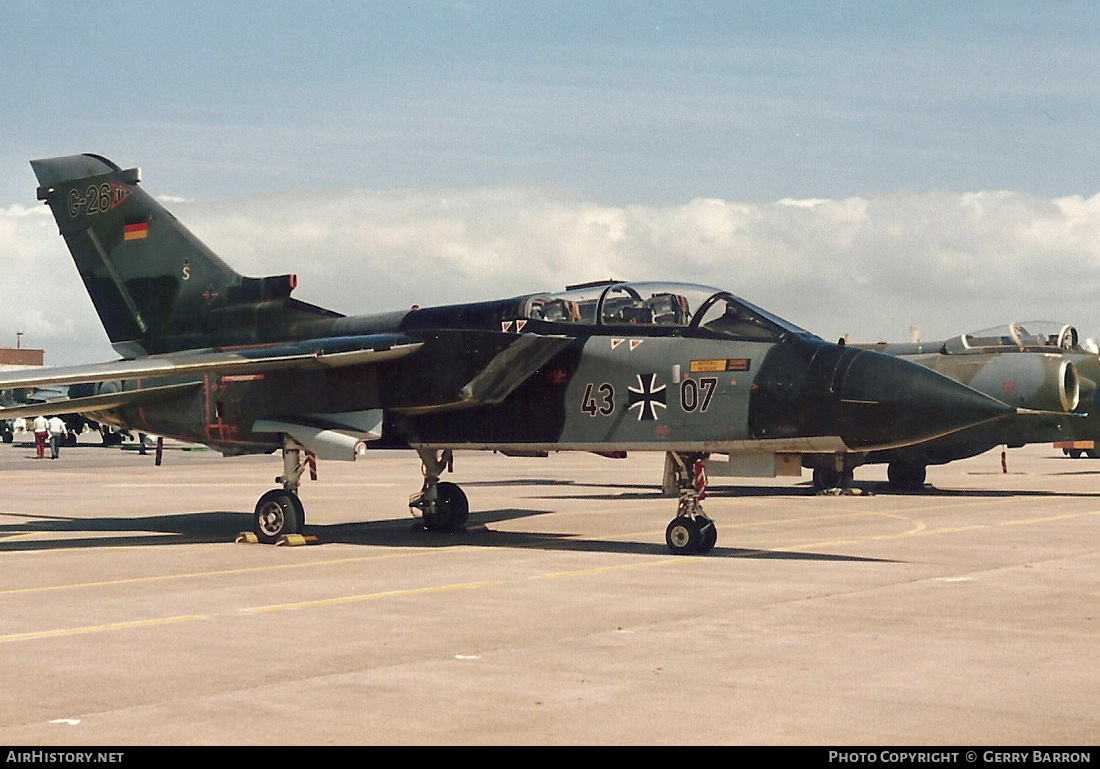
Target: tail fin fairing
column 156, row 287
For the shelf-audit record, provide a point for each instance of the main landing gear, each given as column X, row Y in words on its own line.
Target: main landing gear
column 906, row 476
column 279, row 512
column 441, row 505
column 691, row 531
column 836, row 476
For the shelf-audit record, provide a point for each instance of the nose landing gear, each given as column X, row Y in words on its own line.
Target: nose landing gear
column 441, row 505
column 691, row 532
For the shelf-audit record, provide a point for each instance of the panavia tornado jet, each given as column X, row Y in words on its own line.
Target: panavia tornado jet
column 1038, row 366
column 235, row 363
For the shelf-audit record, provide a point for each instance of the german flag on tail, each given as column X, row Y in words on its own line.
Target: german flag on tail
column 135, row 230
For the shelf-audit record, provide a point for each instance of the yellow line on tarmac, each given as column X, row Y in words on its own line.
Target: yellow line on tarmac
column 44, row 634
column 1047, row 519
column 601, row 569
column 37, row 635
column 809, row 545
column 842, row 514
column 212, row 573
column 458, row 586
column 370, row 596
column 920, row 530
column 929, row 532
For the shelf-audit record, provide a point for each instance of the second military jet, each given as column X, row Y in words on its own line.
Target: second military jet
column 1038, row 366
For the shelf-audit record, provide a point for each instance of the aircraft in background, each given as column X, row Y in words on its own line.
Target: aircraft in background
column 233, row 362
column 1038, row 365
column 36, row 396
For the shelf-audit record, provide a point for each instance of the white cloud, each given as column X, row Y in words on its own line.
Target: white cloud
column 869, row 267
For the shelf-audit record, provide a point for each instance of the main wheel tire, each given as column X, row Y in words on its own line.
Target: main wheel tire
column 824, row 478
column 277, row 514
column 684, row 536
column 299, row 513
column 904, row 476
column 452, row 509
column 828, row 478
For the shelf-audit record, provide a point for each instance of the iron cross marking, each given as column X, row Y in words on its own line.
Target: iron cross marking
column 647, row 396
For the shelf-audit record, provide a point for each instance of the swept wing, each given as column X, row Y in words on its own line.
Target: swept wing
column 312, row 353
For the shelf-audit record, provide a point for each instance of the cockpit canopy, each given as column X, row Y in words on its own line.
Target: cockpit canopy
column 1040, row 335
column 658, row 305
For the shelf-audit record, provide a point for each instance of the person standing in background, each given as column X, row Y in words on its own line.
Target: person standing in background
column 57, row 432
column 41, row 432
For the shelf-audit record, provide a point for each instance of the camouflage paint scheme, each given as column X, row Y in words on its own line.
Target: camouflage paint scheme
column 233, row 362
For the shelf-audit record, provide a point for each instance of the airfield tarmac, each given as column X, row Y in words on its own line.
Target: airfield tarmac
column 966, row 615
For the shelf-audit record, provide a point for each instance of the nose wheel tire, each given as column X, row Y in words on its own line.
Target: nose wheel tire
column 691, row 536
column 277, row 514
column 710, row 536
column 450, row 511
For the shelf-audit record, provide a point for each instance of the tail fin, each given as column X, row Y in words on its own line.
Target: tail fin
column 156, row 287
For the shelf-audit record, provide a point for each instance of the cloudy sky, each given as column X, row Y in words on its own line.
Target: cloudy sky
column 856, row 166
